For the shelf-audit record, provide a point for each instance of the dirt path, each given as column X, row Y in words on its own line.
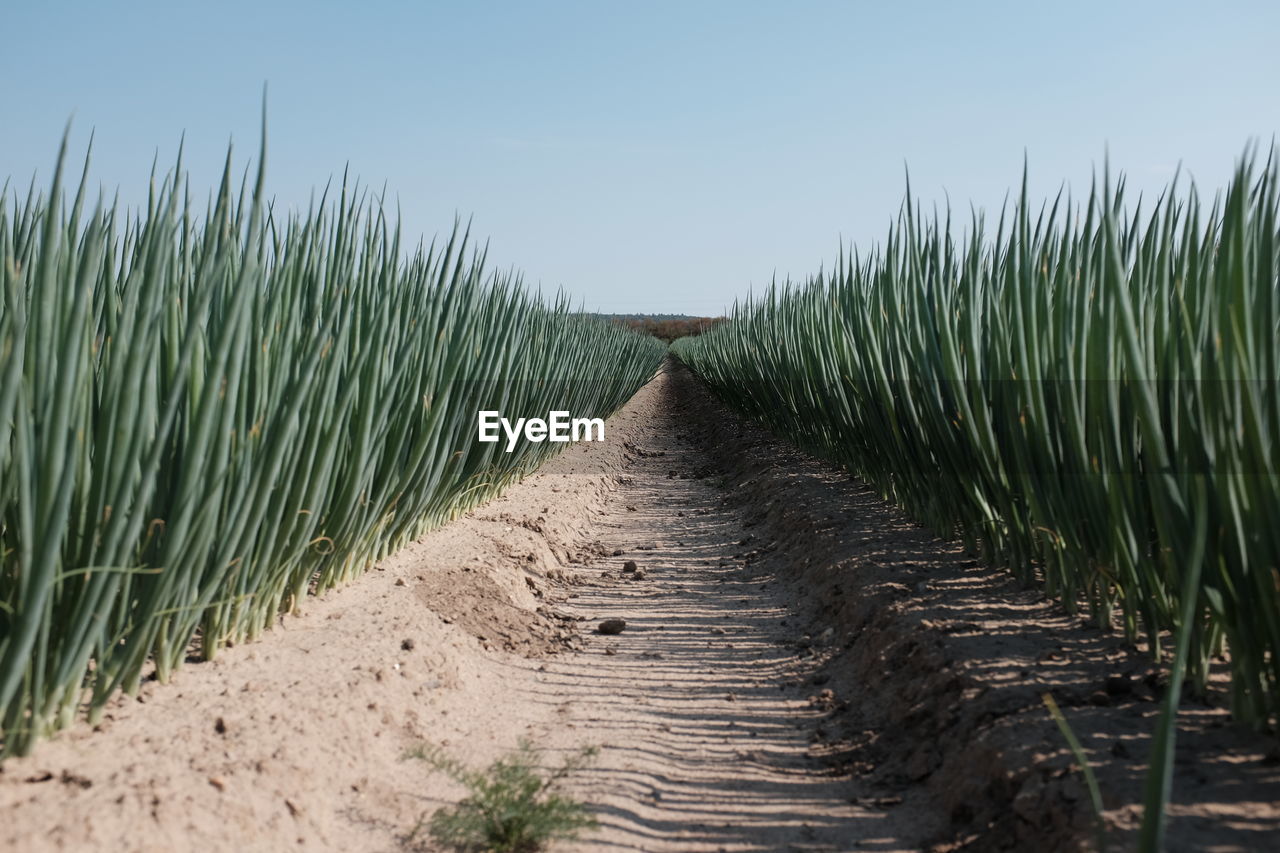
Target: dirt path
column 699, row 705
column 802, row 669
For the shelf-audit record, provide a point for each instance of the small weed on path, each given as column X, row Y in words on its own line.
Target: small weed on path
column 512, row 806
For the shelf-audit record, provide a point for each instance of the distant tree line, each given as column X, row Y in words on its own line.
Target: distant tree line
column 668, row 327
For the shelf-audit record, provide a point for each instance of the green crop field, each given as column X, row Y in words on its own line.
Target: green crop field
column 731, row 425
column 208, row 413
column 1087, row 397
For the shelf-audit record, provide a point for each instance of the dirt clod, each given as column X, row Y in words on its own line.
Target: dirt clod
column 611, row 626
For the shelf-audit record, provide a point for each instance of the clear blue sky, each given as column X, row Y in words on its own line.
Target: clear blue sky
column 651, row 156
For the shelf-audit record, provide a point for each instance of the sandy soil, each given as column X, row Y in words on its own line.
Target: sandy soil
column 802, row 669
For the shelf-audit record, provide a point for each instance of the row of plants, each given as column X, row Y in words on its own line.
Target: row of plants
column 1086, row 393
column 207, row 413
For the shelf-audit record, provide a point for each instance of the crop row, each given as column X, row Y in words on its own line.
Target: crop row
column 207, row 414
column 1085, row 395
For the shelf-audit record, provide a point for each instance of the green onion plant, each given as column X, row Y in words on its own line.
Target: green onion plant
column 209, row 412
column 1086, row 394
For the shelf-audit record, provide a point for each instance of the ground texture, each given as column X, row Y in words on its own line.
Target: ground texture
column 801, row 669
